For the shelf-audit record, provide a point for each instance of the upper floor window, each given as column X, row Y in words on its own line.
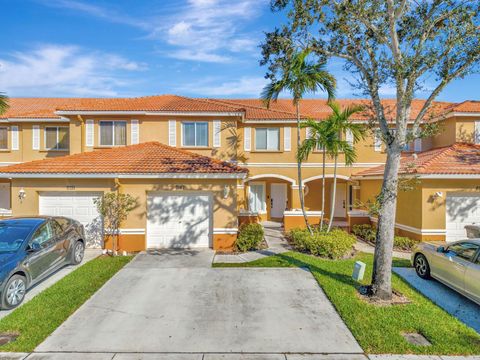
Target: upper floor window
column 3, row 138
column 56, row 138
column 113, row 133
column 195, row 133
column 267, row 139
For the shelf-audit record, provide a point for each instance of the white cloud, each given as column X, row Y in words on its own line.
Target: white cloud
column 211, row 30
column 245, row 86
column 64, row 71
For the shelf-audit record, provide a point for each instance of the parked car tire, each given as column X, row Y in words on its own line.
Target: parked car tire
column 422, row 267
column 78, row 252
column 14, row 292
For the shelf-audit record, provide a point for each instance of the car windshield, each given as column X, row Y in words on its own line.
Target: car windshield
column 12, row 236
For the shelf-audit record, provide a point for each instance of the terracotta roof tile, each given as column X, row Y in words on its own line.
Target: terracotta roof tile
column 282, row 109
column 145, row 158
column 457, row 159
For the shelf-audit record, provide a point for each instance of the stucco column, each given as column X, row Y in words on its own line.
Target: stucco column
column 295, row 196
column 241, row 196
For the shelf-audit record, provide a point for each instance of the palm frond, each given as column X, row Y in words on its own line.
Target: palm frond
column 3, row 103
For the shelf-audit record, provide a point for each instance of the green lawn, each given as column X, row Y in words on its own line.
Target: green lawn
column 38, row 318
column 378, row 329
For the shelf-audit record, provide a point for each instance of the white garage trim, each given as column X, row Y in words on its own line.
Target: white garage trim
column 225, row 231
column 77, row 205
column 461, row 209
column 189, row 225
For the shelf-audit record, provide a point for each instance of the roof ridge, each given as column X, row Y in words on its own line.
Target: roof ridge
column 258, row 107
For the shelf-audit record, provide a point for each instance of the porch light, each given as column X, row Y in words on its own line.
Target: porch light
column 22, row 194
column 438, row 194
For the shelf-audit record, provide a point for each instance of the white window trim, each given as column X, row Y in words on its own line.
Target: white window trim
column 45, row 138
column 247, row 141
column 194, row 146
column 477, row 132
column 8, row 140
column 113, row 133
column 15, row 137
column 36, row 137
column 264, row 197
column 134, row 131
column 267, row 149
column 287, row 138
column 217, row 133
column 377, row 141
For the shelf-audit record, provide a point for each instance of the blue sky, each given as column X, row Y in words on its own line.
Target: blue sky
column 206, row 48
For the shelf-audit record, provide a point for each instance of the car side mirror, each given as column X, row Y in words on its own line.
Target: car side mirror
column 34, row 246
column 441, row 249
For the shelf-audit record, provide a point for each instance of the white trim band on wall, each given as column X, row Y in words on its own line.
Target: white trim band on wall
column 229, row 231
column 132, row 231
column 300, row 213
column 122, row 176
column 416, row 230
column 310, row 165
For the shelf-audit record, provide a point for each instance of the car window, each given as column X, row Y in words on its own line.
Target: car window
column 464, row 250
column 64, row 222
column 43, row 234
column 56, row 228
column 12, row 235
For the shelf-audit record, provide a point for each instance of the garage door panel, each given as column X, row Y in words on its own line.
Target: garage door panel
column 78, row 206
column 178, row 220
column 461, row 209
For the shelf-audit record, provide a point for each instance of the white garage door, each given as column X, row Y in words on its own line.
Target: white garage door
column 178, row 220
column 78, row 206
column 462, row 209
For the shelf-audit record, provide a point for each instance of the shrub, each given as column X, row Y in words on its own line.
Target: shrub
column 250, row 237
column 368, row 233
column 365, row 231
column 404, row 243
column 333, row 245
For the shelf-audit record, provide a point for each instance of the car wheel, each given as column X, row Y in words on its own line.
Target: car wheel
column 14, row 292
column 78, row 252
column 422, row 267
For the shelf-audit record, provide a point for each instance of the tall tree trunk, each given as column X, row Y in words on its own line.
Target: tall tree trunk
column 323, row 188
column 382, row 263
column 299, row 171
column 334, row 195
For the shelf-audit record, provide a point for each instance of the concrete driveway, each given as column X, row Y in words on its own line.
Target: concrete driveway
column 175, row 302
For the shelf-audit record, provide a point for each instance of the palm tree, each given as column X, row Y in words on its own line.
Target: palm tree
column 320, row 138
column 3, row 103
column 339, row 123
column 300, row 76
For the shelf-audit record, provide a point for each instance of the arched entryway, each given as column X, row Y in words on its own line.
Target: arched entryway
column 268, row 195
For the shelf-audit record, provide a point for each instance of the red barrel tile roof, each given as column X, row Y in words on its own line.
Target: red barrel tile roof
column 145, row 158
column 457, row 159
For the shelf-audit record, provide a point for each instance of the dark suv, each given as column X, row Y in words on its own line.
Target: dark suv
column 31, row 249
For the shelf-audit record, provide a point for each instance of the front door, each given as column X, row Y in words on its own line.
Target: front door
column 340, row 201
column 278, row 200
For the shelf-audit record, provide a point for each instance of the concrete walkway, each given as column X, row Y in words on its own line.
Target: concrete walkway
column 276, row 241
column 367, row 248
column 225, row 356
column 152, row 307
column 451, row 301
column 52, row 279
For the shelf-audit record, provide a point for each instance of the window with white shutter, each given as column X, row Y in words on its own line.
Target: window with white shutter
column 378, row 141
column 308, row 133
column 36, row 137
column 89, row 133
column 172, row 132
column 217, row 128
column 287, row 139
column 247, row 141
column 15, row 145
column 477, row 132
column 134, row 132
column 349, row 137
